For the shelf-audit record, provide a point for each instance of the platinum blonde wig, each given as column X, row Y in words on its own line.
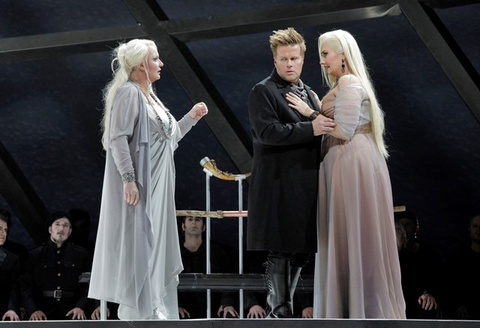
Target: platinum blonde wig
column 126, row 59
column 344, row 43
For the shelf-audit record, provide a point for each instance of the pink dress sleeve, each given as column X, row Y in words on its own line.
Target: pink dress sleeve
column 348, row 108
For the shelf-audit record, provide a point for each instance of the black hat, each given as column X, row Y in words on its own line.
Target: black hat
column 54, row 216
column 6, row 216
column 5, row 213
column 407, row 215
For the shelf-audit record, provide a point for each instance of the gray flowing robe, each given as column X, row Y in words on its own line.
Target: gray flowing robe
column 137, row 250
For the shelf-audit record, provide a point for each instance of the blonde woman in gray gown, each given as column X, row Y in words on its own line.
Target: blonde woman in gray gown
column 357, row 268
column 137, row 257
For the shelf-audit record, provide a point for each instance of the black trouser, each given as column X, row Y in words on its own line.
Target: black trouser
column 296, row 259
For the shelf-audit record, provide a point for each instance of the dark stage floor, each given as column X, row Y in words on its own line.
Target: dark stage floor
column 250, row 323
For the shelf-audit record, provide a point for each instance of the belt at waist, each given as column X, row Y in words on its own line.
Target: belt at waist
column 364, row 129
column 57, row 293
column 330, row 141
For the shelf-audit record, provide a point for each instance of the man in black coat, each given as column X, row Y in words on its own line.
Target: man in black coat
column 462, row 285
column 50, row 285
column 9, row 272
column 282, row 202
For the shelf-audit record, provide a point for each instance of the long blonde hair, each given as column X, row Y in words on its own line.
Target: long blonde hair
column 344, row 43
column 126, row 58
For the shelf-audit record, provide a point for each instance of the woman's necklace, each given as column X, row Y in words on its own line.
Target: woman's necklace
column 168, row 131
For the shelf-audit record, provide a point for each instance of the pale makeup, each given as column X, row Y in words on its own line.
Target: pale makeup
column 154, row 65
column 331, row 61
column 60, row 230
column 289, row 62
column 3, row 232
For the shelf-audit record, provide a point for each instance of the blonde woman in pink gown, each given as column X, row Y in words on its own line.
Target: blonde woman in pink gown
column 357, row 271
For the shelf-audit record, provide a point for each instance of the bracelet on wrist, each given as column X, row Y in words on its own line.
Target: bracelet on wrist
column 128, row 177
column 314, row 115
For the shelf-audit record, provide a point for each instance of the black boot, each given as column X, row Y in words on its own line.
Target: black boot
column 279, row 302
column 294, row 277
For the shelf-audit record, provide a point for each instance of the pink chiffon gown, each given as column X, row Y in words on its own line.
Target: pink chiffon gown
column 357, row 272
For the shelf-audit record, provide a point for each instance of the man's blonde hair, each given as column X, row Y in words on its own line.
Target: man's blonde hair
column 288, row 37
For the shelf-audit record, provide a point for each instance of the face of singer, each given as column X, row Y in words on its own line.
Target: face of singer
column 3, row 232
column 331, row 60
column 399, row 235
column 193, row 226
column 289, row 63
column 154, row 64
column 410, row 228
column 60, row 230
column 475, row 229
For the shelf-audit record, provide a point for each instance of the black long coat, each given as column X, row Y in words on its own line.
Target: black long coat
column 283, row 189
column 9, row 272
column 50, row 268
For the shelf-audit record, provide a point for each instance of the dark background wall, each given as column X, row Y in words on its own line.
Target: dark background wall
column 50, row 110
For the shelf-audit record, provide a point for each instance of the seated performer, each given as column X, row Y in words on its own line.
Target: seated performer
column 193, row 305
column 50, row 283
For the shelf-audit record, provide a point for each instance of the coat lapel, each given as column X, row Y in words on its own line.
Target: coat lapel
column 285, row 87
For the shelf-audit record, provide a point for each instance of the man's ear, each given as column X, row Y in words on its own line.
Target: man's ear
column 183, row 226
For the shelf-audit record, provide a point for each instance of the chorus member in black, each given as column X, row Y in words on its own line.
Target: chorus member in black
column 50, row 284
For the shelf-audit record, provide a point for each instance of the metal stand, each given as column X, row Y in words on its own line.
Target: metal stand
column 239, row 178
column 103, row 310
column 240, row 240
column 208, row 174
